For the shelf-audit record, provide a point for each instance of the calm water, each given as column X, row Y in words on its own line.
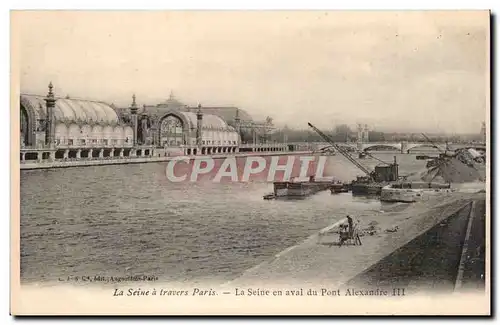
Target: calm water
column 127, row 220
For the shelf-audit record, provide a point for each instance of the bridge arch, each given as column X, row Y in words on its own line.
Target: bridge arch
column 426, row 146
column 325, row 149
column 372, row 146
column 347, row 146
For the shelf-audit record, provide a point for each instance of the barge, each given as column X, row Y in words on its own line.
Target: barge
column 409, row 192
column 339, row 188
column 370, row 188
column 297, row 189
column 373, row 184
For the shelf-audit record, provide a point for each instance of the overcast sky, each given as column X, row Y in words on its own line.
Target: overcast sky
column 416, row 71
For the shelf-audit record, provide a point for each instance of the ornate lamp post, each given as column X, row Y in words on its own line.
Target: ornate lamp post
column 50, row 127
column 133, row 112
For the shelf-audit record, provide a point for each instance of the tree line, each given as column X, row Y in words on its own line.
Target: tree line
column 340, row 133
column 343, row 133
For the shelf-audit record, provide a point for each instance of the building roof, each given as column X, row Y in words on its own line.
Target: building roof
column 213, row 117
column 228, row 113
column 209, row 120
column 73, row 110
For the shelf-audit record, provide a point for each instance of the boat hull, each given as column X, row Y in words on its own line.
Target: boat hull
column 366, row 189
column 298, row 189
column 339, row 188
column 412, row 192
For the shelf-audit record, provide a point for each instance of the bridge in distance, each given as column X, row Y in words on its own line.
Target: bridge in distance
column 403, row 147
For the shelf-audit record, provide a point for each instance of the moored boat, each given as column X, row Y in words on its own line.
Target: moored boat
column 298, row 189
column 373, row 188
column 339, row 188
column 412, row 191
column 270, row 196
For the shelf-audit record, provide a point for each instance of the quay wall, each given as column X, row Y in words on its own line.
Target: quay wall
column 143, row 160
column 429, row 262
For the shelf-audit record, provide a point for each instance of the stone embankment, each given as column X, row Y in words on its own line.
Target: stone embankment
column 320, row 262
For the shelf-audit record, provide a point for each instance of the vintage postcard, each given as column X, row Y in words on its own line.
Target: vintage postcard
column 250, row 163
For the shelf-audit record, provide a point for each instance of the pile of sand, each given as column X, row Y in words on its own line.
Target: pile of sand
column 454, row 170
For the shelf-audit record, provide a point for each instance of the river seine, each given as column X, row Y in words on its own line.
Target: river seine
column 126, row 220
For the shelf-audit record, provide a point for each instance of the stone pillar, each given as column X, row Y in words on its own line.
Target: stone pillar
column 79, row 153
column 483, row 132
column 237, row 123
column 39, row 156
column 112, row 152
column 404, row 147
column 142, row 152
column 156, row 136
column 50, row 103
column 66, row 154
column 361, row 135
column 101, row 153
column 144, row 126
column 23, row 156
column 133, row 112
column 121, row 152
column 91, row 151
column 199, row 126
column 366, row 134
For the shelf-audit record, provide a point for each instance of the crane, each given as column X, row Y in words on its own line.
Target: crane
column 342, row 151
column 380, row 174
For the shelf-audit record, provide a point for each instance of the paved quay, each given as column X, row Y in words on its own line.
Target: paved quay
column 318, row 263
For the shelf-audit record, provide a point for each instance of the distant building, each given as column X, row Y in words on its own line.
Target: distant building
column 174, row 124
column 77, row 123
column 71, row 128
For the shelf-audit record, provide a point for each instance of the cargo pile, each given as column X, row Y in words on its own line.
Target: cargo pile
column 463, row 167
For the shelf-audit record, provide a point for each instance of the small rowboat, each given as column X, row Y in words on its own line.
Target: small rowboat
column 270, row 196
